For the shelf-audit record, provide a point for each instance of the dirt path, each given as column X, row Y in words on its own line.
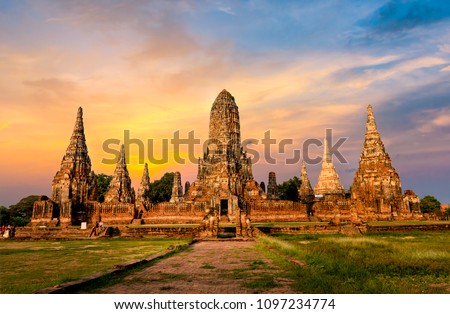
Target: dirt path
column 208, row 267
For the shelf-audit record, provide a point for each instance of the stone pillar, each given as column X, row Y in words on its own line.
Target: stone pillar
column 272, row 187
column 187, row 185
column 177, row 189
column 305, row 191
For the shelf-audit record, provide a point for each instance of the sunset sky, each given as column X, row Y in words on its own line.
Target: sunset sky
column 295, row 68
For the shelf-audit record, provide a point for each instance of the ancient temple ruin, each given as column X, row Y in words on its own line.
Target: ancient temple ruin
column 272, row 187
column 376, row 187
column 74, row 189
column 177, row 189
column 144, row 187
column 305, row 191
column 120, row 189
column 74, row 184
column 225, row 178
column 224, row 190
column 328, row 183
column 142, row 199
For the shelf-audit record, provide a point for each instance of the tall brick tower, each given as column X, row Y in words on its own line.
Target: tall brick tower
column 120, row 189
column 328, row 183
column 75, row 182
column 224, row 175
column 376, row 186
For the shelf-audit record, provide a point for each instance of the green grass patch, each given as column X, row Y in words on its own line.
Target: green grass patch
column 256, row 264
column 28, row 266
column 417, row 262
column 261, row 283
column 170, row 276
column 207, row 266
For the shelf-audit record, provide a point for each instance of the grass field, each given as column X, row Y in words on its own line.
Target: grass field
column 27, row 266
column 417, row 262
column 414, row 262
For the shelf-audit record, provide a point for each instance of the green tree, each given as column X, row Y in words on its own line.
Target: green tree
column 4, row 216
column 429, row 204
column 20, row 213
column 447, row 214
column 161, row 190
column 103, row 181
column 288, row 190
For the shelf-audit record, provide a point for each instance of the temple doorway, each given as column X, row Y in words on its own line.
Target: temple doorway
column 226, row 229
column 79, row 215
column 223, row 207
column 55, row 212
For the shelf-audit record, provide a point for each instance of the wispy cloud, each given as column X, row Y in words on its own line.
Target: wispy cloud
column 398, row 16
column 430, row 119
column 225, row 9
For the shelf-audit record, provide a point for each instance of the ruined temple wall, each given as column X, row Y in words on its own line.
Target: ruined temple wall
column 333, row 210
column 277, row 211
column 176, row 213
column 42, row 212
column 383, row 211
column 372, row 210
column 43, row 209
column 112, row 213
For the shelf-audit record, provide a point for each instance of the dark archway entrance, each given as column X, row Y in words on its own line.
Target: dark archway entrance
column 55, row 212
column 226, row 230
column 223, row 207
column 79, row 214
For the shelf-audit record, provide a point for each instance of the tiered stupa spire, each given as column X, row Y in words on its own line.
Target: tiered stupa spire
column 328, row 182
column 376, row 184
column 224, row 126
column 177, row 189
column 305, row 191
column 272, row 187
column 120, row 189
column 373, row 146
column 144, row 187
column 225, row 169
column 75, row 181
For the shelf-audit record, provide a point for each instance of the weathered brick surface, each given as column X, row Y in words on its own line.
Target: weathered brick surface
column 120, row 189
column 328, row 182
column 376, row 187
column 177, row 189
column 272, row 187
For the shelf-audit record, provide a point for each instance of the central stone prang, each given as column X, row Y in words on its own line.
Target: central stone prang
column 225, row 177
